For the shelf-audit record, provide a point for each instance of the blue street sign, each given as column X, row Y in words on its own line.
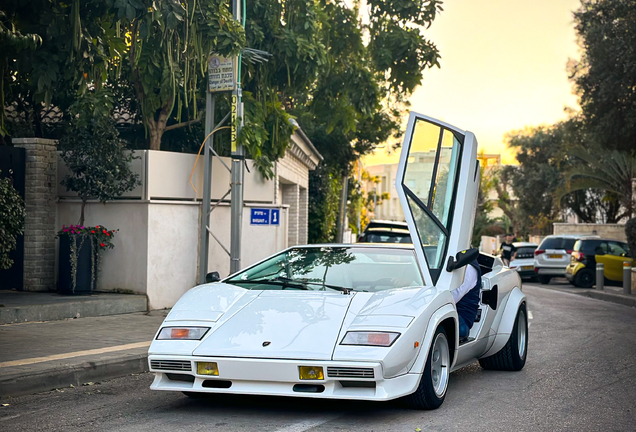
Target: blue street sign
column 259, row 216
column 275, row 219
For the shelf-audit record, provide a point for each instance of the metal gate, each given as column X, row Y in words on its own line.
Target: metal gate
column 13, row 166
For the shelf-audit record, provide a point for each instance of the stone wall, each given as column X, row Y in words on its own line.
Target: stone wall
column 39, row 227
column 610, row 231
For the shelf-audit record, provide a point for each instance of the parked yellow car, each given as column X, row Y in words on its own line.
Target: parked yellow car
column 581, row 271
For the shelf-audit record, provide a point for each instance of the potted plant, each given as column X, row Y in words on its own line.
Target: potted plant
column 99, row 169
column 80, row 254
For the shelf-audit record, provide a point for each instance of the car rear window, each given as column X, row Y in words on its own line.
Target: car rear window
column 526, row 252
column 558, row 243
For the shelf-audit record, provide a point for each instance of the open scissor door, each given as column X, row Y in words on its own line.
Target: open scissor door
column 437, row 182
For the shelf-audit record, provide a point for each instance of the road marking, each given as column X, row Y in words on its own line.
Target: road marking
column 305, row 425
column 530, row 315
column 74, row 354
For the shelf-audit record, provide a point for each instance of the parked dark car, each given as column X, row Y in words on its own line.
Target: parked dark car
column 581, row 271
column 379, row 231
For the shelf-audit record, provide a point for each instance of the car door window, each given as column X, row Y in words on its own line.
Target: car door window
column 602, row 247
column 429, row 179
column 617, row 249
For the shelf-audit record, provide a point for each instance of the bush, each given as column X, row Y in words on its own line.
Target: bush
column 96, row 158
column 630, row 232
column 11, row 221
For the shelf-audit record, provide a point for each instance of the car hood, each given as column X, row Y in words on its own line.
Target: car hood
column 281, row 324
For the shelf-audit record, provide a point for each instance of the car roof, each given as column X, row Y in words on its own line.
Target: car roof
column 603, row 239
column 524, row 244
column 387, row 224
column 572, row 236
column 387, row 230
column 358, row 245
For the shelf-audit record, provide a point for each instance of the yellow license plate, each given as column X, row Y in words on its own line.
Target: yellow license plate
column 526, row 268
column 555, row 256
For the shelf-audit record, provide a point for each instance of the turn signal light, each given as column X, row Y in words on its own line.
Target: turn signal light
column 310, row 373
column 207, row 368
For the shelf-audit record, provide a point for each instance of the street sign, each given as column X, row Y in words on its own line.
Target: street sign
column 264, row 216
column 221, row 74
column 275, row 217
column 260, row 216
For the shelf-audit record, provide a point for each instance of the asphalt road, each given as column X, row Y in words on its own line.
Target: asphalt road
column 580, row 376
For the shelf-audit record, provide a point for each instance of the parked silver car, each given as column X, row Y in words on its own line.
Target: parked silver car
column 523, row 262
column 552, row 256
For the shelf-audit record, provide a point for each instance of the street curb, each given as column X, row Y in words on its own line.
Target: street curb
column 19, row 384
column 80, row 308
column 622, row 299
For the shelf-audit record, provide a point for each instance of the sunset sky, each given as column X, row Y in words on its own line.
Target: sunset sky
column 503, row 68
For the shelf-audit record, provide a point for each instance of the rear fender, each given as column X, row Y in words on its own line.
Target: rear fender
column 507, row 323
column 447, row 311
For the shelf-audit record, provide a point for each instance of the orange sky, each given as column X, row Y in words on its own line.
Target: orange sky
column 503, row 68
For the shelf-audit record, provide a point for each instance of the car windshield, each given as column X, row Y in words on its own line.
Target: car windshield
column 525, row 252
column 333, row 268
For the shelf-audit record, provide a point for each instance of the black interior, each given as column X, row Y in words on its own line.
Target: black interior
column 486, row 262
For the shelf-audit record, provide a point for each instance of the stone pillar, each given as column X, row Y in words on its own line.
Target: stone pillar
column 291, row 197
column 39, row 227
column 303, row 216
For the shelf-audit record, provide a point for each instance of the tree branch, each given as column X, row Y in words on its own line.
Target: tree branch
column 182, row 124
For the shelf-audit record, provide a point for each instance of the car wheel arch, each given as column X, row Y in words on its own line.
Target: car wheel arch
column 444, row 316
column 516, row 300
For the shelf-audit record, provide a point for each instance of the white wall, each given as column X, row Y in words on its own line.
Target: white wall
column 173, row 252
column 123, row 267
column 157, row 247
column 259, row 241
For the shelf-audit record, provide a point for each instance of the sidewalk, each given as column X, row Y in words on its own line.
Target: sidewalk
column 24, row 306
column 41, row 356
column 613, row 294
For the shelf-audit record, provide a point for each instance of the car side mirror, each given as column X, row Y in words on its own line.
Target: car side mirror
column 212, row 277
column 461, row 259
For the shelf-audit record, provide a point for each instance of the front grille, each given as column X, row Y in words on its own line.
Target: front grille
column 347, row 372
column 175, row 365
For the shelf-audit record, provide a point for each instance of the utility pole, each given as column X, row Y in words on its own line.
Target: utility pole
column 204, row 244
column 238, row 159
column 359, row 224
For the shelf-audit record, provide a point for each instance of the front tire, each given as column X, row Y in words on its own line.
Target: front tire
column 512, row 356
column 584, row 278
column 431, row 391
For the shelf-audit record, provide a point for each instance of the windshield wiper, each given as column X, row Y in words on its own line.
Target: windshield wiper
column 281, row 280
column 276, row 281
column 334, row 287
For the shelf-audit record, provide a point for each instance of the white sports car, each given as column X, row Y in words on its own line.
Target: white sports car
column 367, row 322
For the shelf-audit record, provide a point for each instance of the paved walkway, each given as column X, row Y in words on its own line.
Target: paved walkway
column 45, row 355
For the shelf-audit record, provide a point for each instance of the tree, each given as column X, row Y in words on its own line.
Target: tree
column 91, row 149
column 12, row 42
column 11, row 220
column 170, row 43
column 79, row 49
column 605, row 77
column 612, row 172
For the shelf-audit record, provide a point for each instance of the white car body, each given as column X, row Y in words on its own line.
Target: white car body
column 260, row 338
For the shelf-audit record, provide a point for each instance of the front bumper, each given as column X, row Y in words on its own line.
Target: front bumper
column 273, row 377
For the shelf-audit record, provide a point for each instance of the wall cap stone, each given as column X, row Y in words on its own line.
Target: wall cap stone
column 45, row 141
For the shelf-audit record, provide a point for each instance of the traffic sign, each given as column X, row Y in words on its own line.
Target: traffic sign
column 275, row 217
column 260, row 216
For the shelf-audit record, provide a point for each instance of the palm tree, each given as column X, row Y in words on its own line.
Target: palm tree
column 613, row 172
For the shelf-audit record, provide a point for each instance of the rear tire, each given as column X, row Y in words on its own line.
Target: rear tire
column 431, row 390
column 545, row 280
column 584, row 278
column 512, row 356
